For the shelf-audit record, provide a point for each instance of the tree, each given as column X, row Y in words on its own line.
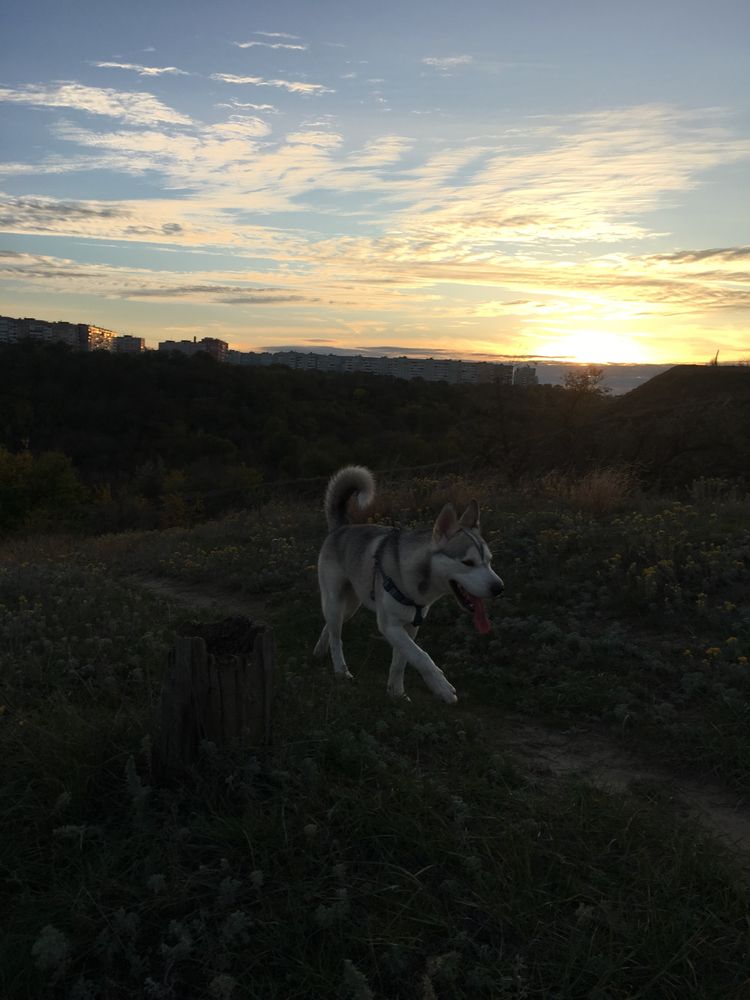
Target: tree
column 36, row 490
column 587, row 380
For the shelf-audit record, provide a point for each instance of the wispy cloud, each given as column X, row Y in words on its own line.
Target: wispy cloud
column 137, row 283
column 271, row 45
column 387, row 149
column 143, row 70
column 293, row 86
column 248, row 105
column 337, row 291
column 561, row 181
column 221, row 293
column 275, row 34
column 555, row 183
column 40, row 213
column 605, row 289
column 521, row 224
column 718, row 255
column 447, row 63
column 205, row 157
column 133, row 108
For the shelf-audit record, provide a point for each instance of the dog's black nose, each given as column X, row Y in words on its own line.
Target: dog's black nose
column 498, row 588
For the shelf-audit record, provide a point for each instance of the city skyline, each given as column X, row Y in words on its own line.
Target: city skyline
column 546, row 183
column 617, row 378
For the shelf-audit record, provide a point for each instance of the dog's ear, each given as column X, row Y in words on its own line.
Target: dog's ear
column 470, row 517
column 446, row 524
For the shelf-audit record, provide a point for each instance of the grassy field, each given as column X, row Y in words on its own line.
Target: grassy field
column 383, row 850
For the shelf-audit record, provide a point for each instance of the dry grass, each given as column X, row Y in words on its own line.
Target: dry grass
column 600, row 491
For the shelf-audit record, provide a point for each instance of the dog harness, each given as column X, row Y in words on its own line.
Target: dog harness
column 389, row 585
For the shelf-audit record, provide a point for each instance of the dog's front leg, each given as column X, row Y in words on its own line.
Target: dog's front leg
column 398, row 665
column 432, row 675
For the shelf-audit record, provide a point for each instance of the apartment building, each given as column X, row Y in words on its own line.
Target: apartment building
column 429, row 369
column 525, row 375
column 78, row 336
column 86, row 337
column 218, row 349
column 96, row 338
column 125, row 344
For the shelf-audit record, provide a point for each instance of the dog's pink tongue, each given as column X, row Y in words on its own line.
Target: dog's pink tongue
column 481, row 621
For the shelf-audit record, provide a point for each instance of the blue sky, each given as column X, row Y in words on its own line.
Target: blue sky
column 544, row 180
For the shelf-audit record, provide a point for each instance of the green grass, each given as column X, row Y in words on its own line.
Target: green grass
column 377, row 849
column 634, row 617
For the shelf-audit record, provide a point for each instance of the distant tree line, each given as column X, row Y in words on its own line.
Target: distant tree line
column 121, row 441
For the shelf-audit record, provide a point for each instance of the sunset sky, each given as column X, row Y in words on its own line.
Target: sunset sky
column 541, row 179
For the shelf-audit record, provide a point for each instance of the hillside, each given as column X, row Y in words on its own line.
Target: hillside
column 686, row 386
column 114, row 442
column 690, row 422
column 159, row 439
column 112, row 413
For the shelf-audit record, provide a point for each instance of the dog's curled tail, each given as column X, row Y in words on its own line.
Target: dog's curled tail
column 343, row 485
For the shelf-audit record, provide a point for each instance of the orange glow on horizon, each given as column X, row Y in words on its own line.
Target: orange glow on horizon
column 596, row 347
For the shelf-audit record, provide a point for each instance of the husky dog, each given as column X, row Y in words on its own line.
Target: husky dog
column 399, row 575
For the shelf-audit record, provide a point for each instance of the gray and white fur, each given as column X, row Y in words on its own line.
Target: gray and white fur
column 398, row 574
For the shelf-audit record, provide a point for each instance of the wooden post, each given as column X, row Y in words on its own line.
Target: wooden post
column 217, row 688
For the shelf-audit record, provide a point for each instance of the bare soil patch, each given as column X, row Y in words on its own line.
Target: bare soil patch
column 200, row 596
column 603, row 764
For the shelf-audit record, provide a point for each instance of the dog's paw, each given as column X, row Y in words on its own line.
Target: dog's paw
column 442, row 688
column 343, row 675
column 399, row 696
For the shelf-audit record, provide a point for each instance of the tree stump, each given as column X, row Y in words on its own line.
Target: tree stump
column 217, row 688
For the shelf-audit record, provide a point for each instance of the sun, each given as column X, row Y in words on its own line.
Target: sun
column 596, row 347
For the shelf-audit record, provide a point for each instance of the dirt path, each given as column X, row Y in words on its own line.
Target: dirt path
column 604, row 764
column 199, row 596
column 545, row 751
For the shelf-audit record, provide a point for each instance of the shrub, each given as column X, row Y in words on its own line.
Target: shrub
column 36, row 491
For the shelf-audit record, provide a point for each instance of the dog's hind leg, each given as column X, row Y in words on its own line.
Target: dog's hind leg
column 336, row 609
column 398, row 666
column 322, row 645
